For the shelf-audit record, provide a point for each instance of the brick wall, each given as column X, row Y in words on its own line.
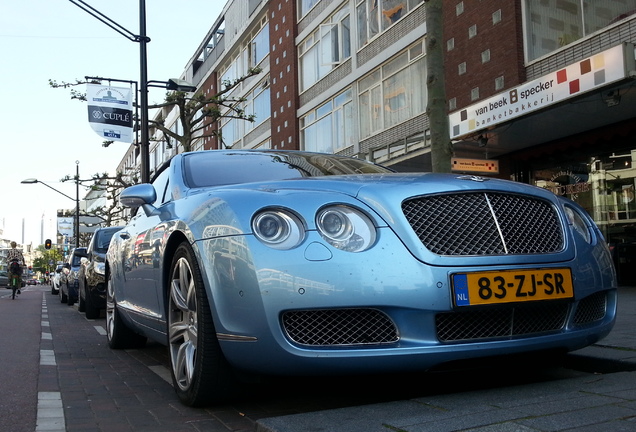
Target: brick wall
column 283, row 60
column 503, row 39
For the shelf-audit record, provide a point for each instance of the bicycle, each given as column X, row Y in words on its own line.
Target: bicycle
column 16, row 282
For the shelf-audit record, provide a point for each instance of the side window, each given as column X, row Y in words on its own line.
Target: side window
column 161, row 184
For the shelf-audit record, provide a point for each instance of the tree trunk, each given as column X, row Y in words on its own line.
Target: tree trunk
column 441, row 148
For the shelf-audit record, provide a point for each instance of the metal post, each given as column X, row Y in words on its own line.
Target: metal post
column 144, row 145
column 77, row 206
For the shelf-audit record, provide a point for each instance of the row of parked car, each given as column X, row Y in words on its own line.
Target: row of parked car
column 81, row 278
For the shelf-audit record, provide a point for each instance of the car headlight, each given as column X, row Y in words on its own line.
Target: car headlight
column 99, row 267
column 577, row 221
column 278, row 229
column 346, row 228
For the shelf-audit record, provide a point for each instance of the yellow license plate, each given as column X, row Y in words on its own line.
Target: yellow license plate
column 492, row 287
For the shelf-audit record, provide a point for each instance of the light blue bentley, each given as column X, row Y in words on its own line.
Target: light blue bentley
column 279, row 262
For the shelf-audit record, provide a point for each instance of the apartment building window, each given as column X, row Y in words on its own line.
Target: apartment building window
column 230, row 132
column 259, row 46
column 394, row 92
column 325, row 48
column 258, row 104
column 250, row 53
column 329, row 128
column 375, row 16
column 553, row 24
column 305, row 6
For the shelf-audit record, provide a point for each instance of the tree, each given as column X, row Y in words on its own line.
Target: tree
column 441, row 148
column 113, row 212
column 196, row 111
column 44, row 256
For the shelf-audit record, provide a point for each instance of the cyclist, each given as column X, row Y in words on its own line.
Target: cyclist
column 14, row 255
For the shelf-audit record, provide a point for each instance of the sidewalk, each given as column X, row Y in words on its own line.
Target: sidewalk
column 601, row 398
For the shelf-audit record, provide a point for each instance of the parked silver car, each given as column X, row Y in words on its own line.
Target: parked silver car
column 69, row 288
column 56, row 279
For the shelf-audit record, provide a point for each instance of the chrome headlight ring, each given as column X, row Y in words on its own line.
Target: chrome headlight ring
column 346, row 228
column 278, row 229
column 100, row 268
column 578, row 223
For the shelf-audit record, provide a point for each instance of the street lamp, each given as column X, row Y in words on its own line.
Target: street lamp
column 172, row 84
column 76, row 199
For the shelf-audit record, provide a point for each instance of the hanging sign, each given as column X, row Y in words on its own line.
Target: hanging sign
column 65, row 226
column 110, row 112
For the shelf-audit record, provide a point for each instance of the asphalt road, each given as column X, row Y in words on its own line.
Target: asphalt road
column 58, row 374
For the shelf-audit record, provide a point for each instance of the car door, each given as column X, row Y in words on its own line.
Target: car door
column 142, row 275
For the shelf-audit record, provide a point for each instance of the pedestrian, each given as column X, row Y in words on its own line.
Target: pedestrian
column 15, row 255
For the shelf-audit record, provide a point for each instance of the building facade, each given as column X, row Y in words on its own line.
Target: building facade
column 539, row 91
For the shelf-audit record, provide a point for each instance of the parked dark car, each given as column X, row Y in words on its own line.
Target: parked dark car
column 69, row 288
column 274, row 262
column 92, row 283
column 4, row 279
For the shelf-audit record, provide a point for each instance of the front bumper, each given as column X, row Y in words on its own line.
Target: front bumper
column 268, row 306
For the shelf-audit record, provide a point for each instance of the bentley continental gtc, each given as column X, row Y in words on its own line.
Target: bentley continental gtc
column 293, row 263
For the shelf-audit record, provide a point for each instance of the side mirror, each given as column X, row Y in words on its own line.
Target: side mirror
column 141, row 195
column 138, row 195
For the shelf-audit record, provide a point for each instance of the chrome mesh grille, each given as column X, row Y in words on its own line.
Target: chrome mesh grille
column 591, row 309
column 329, row 327
column 501, row 322
column 484, row 224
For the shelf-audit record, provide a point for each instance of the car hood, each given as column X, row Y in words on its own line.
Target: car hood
column 385, row 193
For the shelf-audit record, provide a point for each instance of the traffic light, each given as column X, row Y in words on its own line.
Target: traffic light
column 47, row 244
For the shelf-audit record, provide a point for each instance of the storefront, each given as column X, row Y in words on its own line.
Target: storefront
column 572, row 132
column 597, row 170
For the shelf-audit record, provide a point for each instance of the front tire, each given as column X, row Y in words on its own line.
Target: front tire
column 81, row 305
column 63, row 297
column 118, row 334
column 200, row 373
column 92, row 312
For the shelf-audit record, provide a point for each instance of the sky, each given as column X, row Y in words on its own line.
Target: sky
column 46, row 134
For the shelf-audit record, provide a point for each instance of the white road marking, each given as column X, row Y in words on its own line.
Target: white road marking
column 50, row 413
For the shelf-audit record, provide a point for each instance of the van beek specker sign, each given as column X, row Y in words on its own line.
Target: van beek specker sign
column 591, row 73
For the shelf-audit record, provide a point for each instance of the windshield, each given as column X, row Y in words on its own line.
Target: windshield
column 214, row 168
column 103, row 238
column 77, row 259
